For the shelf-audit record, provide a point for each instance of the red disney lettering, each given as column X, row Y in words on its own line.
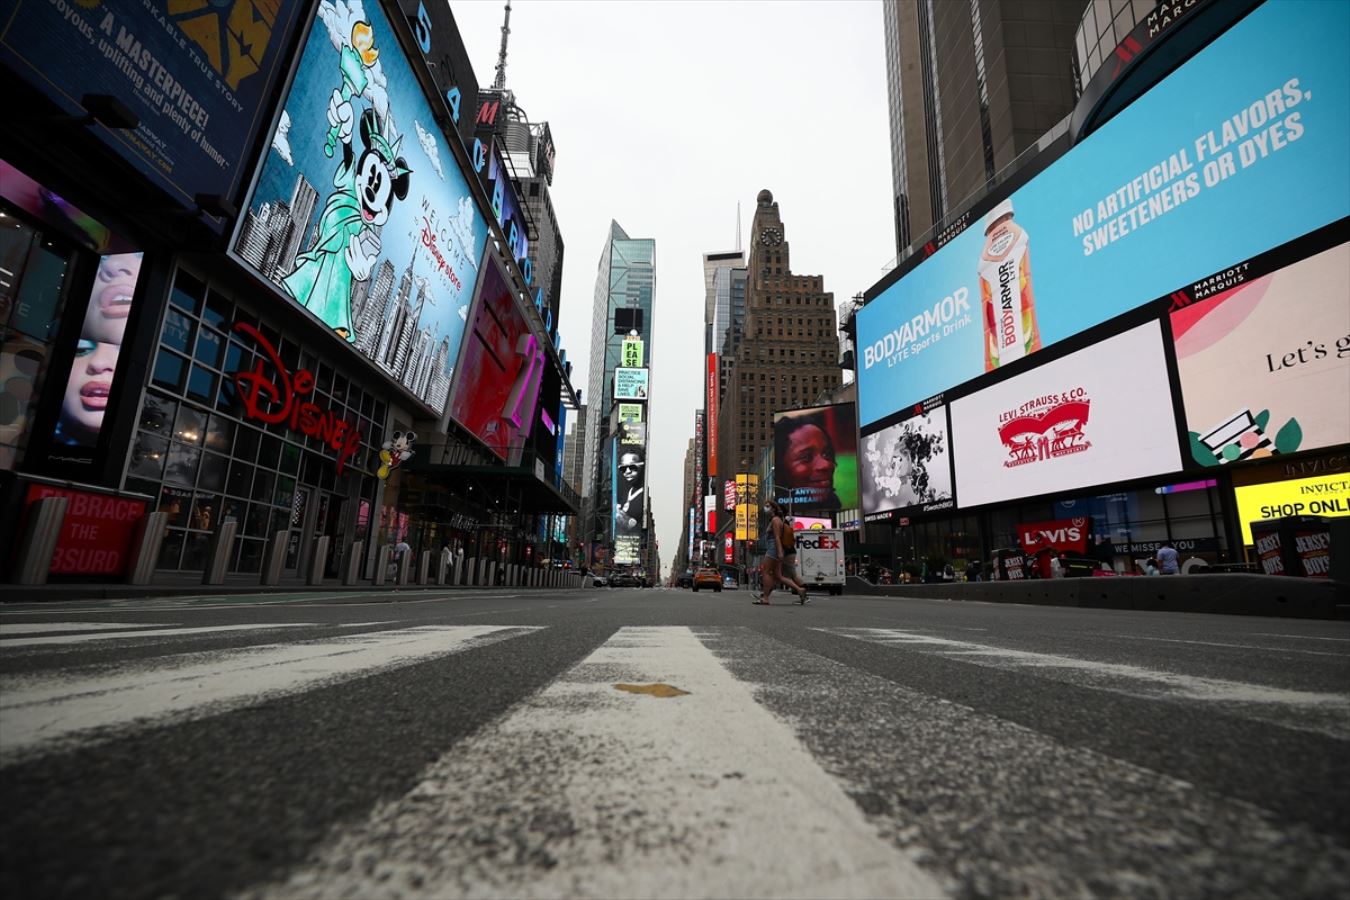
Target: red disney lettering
column 275, row 401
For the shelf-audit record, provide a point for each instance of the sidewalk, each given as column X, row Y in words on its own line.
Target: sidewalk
column 182, row 584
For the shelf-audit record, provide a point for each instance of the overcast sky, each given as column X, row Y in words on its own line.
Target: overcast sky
column 665, row 116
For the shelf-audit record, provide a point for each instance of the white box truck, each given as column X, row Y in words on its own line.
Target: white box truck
column 820, row 559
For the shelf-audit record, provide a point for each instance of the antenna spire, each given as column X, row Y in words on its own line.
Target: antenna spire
column 738, row 226
column 500, row 82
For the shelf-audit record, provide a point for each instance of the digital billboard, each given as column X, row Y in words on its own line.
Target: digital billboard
column 630, row 384
column 1265, row 365
column 359, row 213
column 503, row 367
column 815, row 456
column 1321, row 495
column 907, row 465
column 1101, row 414
column 630, row 490
column 1241, row 149
column 197, row 76
column 90, row 381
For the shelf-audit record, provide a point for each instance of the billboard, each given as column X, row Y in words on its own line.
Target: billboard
column 502, row 368
column 433, row 26
column 1066, row 535
column 1239, row 150
column 630, row 354
column 630, row 491
column 907, row 465
column 712, row 390
column 630, row 384
column 1321, row 495
column 632, row 434
column 1265, row 365
column 1100, row 414
column 359, row 213
column 815, row 456
column 197, row 76
column 90, row 381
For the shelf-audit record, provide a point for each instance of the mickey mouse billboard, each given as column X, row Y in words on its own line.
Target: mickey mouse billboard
column 359, row 211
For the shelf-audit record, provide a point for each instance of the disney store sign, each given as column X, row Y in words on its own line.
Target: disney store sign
column 278, row 397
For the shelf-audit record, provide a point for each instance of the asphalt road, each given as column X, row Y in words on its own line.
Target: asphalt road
column 622, row 743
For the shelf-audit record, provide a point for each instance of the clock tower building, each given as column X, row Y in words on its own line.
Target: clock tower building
column 788, row 350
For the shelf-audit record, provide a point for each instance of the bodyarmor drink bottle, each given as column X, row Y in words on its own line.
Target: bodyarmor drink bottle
column 1010, row 330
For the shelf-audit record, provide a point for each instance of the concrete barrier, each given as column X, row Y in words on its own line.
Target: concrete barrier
column 145, row 547
column 442, row 565
column 424, row 568
column 38, row 543
column 1252, row 595
column 274, row 558
column 318, row 561
column 351, row 567
column 218, row 552
column 470, row 574
column 381, row 573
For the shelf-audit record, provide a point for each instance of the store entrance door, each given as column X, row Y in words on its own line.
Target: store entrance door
column 300, row 509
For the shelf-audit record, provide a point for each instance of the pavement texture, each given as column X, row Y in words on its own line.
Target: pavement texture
column 657, row 743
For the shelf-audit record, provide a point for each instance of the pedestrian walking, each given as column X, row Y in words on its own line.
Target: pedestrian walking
column 789, row 562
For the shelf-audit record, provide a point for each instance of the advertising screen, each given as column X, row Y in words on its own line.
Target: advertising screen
column 631, row 355
column 97, row 533
column 1265, row 366
column 1241, row 149
column 503, row 366
column 806, row 523
column 1321, row 495
column 89, row 384
column 630, row 384
column 630, row 491
column 359, row 213
column 815, row 456
column 747, row 498
column 197, row 76
column 907, row 465
column 1099, row 415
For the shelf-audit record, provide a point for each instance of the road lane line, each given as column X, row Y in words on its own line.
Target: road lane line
column 588, row 791
column 7, row 629
column 1262, row 648
column 1323, row 713
column 142, row 631
column 37, row 713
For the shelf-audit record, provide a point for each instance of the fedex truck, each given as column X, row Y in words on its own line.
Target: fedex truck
column 820, row 558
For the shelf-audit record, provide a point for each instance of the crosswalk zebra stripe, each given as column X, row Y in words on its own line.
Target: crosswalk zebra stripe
column 140, row 632
column 1323, row 713
column 37, row 713
column 606, row 793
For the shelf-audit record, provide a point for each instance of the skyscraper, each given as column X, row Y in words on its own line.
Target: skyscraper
column 790, row 352
column 623, row 303
column 971, row 84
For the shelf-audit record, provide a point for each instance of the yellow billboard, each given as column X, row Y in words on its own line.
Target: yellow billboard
column 1321, row 495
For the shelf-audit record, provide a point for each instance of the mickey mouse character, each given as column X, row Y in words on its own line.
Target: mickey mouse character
column 394, row 451
column 366, row 186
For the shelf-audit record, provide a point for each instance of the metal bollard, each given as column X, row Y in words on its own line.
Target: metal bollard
column 381, row 572
column 442, row 566
column 404, row 564
column 145, row 546
column 38, row 543
column 319, row 561
column 275, row 557
column 424, row 568
column 491, row 579
column 218, row 553
column 470, row 570
column 351, row 569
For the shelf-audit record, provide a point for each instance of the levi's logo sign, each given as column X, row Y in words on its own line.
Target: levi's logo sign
column 1046, row 427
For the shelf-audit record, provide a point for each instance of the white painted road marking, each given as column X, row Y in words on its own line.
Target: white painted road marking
column 6, row 629
column 144, row 631
column 37, row 712
column 1324, row 713
column 596, row 792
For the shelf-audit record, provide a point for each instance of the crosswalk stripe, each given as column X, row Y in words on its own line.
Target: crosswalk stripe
column 10, row 628
column 141, row 631
column 635, row 793
column 37, row 713
column 1327, row 711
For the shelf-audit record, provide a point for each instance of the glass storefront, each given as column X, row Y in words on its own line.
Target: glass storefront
column 195, row 449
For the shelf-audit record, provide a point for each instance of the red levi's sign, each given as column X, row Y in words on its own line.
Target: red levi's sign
column 96, row 534
column 1069, row 535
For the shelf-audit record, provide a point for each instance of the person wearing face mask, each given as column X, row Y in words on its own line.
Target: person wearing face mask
column 87, row 390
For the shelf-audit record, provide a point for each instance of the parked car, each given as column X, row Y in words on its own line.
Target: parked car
column 686, row 580
column 626, row 579
column 706, row 576
column 599, row 581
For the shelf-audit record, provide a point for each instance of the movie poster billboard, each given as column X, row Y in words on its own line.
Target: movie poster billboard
column 815, row 454
column 1239, row 150
column 359, row 212
column 908, row 465
column 1101, row 414
column 197, row 77
column 1265, row 365
column 503, row 367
